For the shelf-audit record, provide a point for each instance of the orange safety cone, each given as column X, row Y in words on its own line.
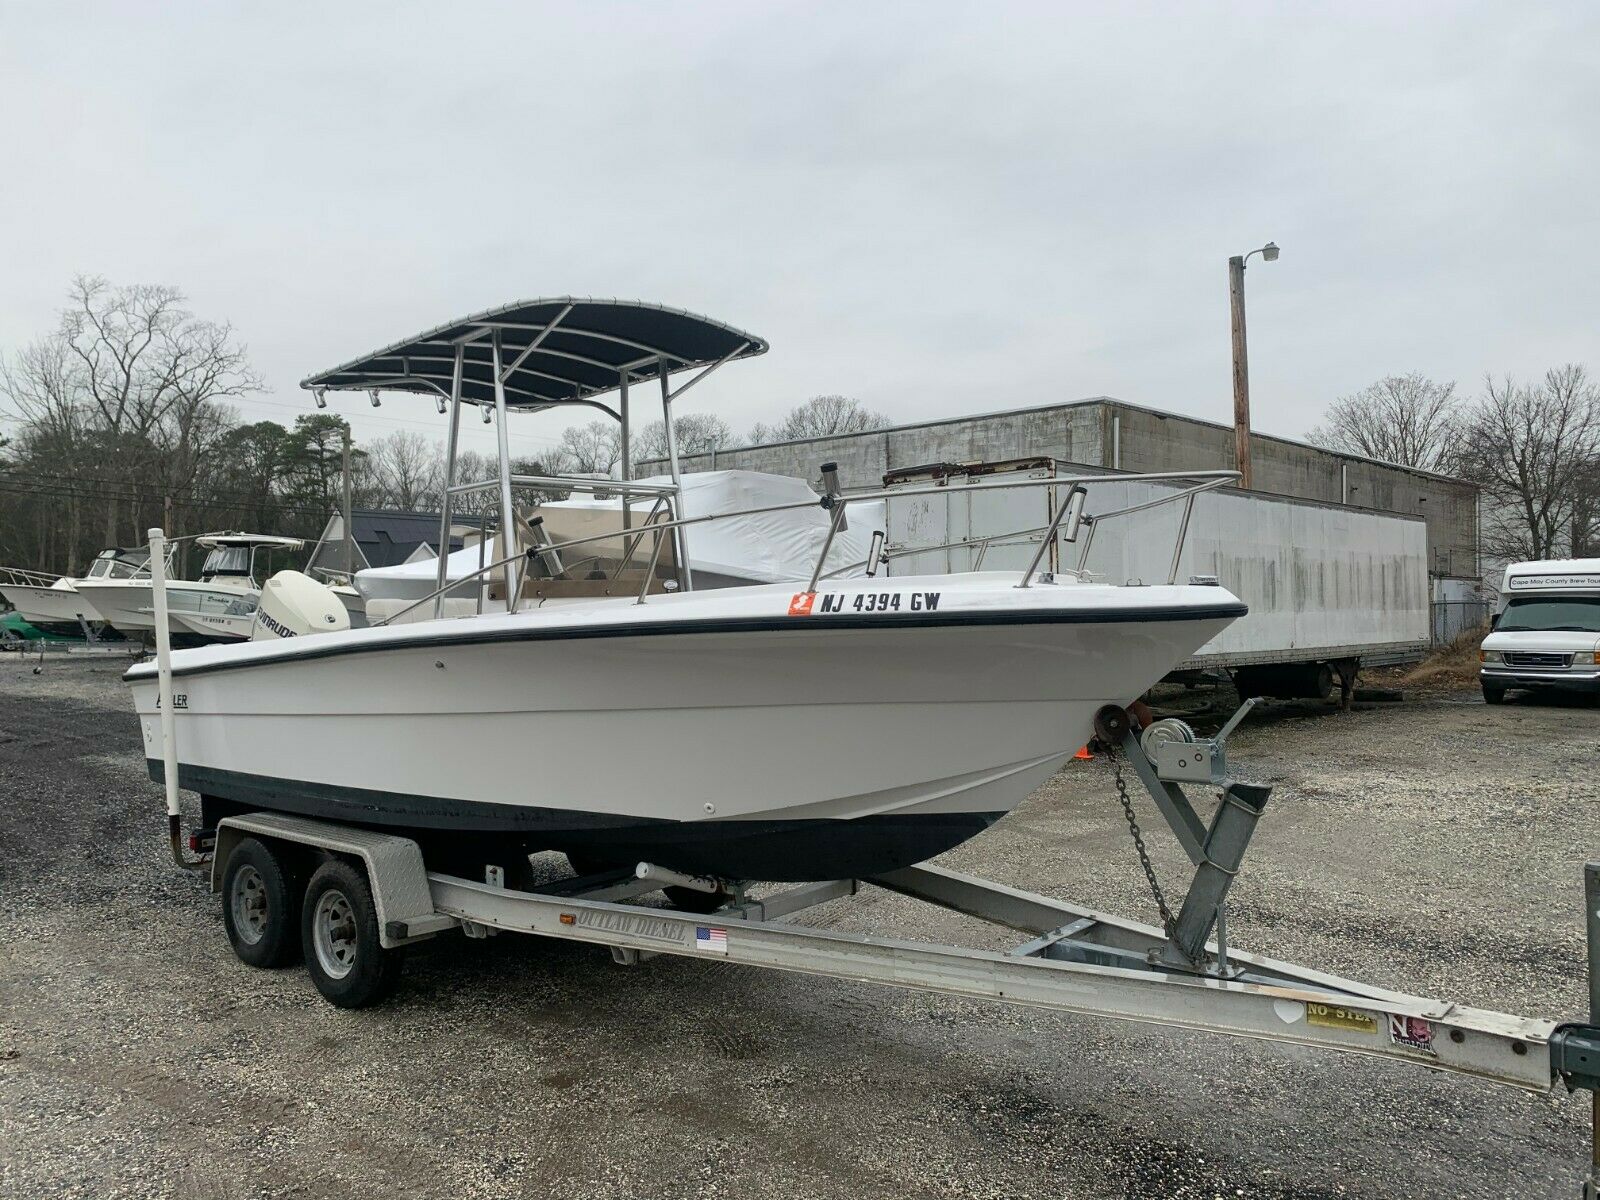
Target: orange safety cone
column 1084, row 753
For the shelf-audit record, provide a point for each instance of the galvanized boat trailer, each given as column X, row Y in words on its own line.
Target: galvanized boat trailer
column 1072, row 959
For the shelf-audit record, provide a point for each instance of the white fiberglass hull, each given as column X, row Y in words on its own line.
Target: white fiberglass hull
column 58, row 605
column 737, row 733
column 129, row 605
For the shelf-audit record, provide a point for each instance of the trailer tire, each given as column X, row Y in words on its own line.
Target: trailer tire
column 1493, row 695
column 260, row 905
column 339, row 938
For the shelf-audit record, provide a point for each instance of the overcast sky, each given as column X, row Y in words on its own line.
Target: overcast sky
column 938, row 209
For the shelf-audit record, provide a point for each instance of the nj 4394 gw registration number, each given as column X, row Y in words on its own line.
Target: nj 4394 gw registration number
column 810, row 604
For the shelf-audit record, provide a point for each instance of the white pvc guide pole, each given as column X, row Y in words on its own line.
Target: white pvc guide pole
column 169, row 725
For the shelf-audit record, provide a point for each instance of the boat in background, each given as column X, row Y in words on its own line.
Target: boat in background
column 218, row 606
column 56, row 604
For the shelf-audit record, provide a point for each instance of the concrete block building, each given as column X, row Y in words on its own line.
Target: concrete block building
column 1105, row 432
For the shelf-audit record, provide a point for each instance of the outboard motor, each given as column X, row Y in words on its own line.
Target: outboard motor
column 295, row 605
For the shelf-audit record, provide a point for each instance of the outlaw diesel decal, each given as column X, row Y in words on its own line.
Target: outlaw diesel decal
column 651, row 929
column 807, row 604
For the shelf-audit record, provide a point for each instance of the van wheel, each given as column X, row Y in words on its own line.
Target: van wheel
column 339, row 938
column 1493, row 695
column 260, row 905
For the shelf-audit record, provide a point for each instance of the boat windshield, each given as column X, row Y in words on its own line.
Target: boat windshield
column 227, row 560
column 1573, row 614
column 119, row 564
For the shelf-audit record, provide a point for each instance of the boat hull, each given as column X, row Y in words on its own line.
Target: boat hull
column 747, row 748
column 130, row 607
column 56, row 609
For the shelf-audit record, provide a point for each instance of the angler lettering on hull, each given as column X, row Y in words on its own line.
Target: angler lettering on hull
column 806, row 604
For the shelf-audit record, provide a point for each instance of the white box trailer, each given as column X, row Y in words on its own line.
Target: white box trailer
column 1329, row 587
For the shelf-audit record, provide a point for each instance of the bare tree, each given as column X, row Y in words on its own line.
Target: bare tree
column 1405, row 419
column 127, row 387
column 592, row 449
column 1585, row 542
column 696, row 433
column 407, row 469
column 1535, row 449
column 819, row 417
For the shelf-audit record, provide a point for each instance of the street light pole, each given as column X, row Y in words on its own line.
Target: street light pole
column 1241, row 362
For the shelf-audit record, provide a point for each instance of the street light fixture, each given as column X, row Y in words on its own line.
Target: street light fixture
column 1241, row 361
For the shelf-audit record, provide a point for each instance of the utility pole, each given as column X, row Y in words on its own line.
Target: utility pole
column 349, row 537
column 1241, row 362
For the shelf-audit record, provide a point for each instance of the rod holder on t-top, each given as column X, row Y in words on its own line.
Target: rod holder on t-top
column 831, row 491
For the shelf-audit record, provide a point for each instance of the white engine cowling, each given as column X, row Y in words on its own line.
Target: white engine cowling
column 295, row 605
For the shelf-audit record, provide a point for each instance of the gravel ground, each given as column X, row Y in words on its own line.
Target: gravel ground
column 1434, row 846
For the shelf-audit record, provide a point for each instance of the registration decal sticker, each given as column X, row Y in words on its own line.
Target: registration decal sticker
column 805, row 604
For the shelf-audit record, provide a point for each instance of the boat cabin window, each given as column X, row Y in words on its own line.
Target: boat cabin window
column 110, row 564
column 1573, row 614
column 227, row 560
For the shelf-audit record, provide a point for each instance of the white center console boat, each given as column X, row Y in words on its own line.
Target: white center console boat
column 838, row 727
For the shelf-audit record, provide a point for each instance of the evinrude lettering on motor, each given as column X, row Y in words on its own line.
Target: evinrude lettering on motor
column 627, row 924
column 276, row 628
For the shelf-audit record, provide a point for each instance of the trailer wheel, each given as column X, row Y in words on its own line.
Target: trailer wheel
column 339, row 938
column 1493, row 694
column 260, row 905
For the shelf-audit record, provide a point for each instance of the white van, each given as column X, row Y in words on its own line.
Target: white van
column 1548, row 634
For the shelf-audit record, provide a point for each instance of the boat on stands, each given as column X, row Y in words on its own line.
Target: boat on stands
column 218, row 606
column 57, row 604
column 838, row 727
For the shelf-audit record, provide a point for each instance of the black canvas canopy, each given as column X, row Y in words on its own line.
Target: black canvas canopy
column 558, row 351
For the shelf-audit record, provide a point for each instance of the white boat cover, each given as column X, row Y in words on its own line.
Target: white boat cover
column 771, row 547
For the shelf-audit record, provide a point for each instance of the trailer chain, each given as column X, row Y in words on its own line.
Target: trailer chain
column 1169, row 923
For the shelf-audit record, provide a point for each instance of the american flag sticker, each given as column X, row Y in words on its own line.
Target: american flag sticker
column 711, row 940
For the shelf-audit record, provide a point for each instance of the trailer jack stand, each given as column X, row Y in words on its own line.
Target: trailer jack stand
column 1217, row 851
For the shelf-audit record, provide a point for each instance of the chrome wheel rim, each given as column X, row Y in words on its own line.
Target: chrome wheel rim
column 333, row 929
column 249, row 905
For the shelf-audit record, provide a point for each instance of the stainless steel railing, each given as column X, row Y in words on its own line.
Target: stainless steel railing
column 1068, row 520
